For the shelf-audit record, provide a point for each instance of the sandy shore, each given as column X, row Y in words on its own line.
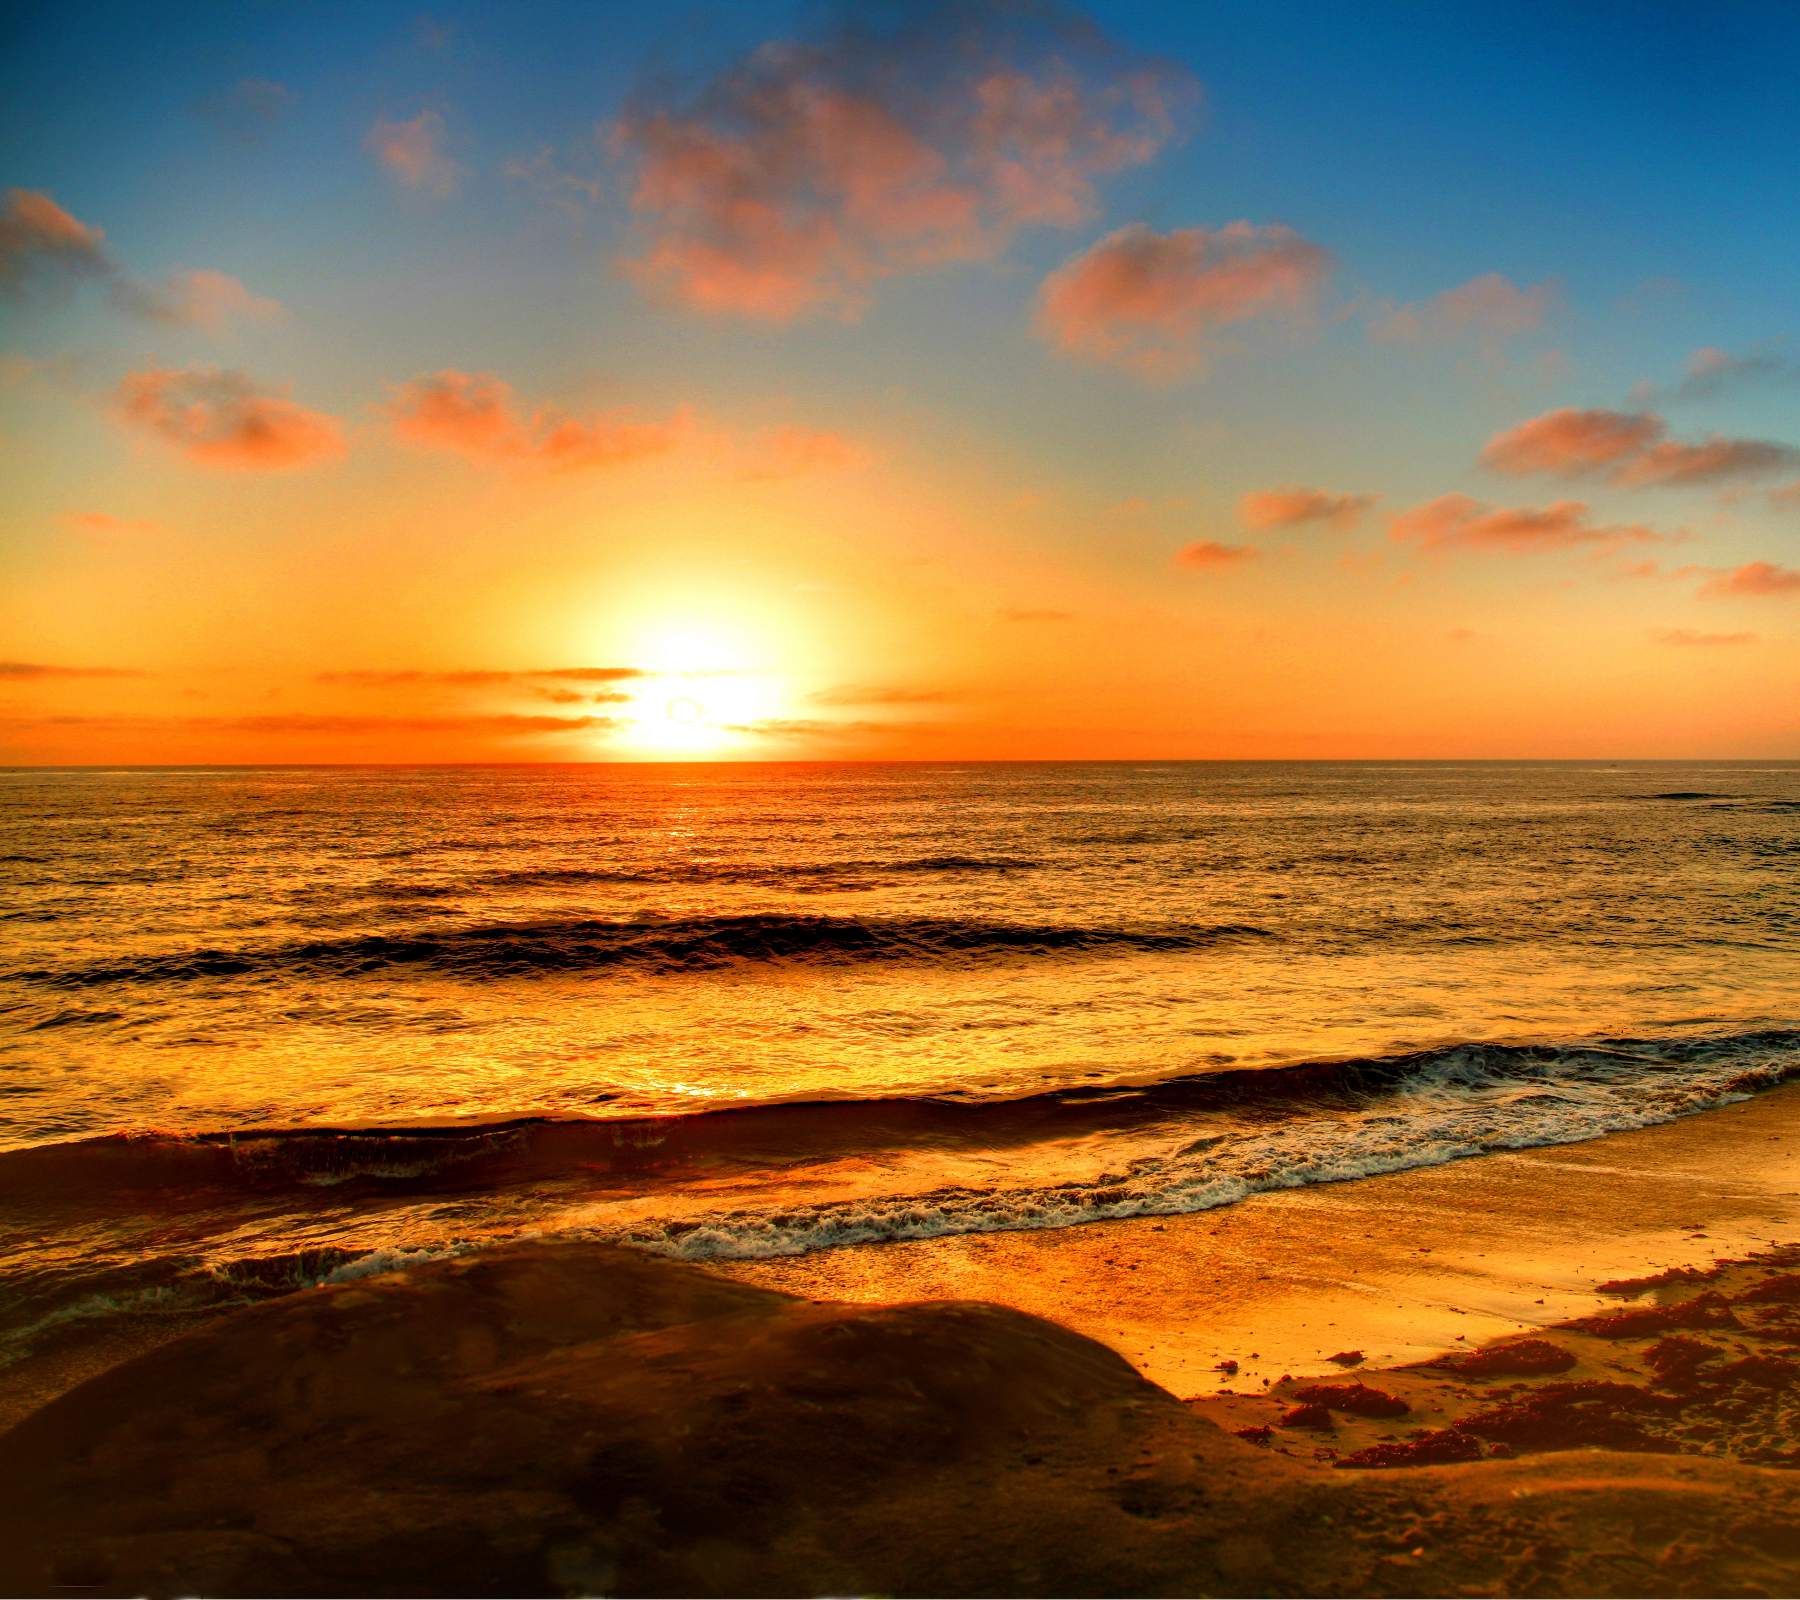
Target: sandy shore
column 1402, row 1267
column 569, row 1418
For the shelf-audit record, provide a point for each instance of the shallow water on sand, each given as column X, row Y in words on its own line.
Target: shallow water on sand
column 817, row 1005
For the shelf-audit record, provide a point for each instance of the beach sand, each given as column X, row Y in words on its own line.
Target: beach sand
column 568, row 1418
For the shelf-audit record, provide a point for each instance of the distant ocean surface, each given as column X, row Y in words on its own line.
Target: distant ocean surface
column 261, row 1028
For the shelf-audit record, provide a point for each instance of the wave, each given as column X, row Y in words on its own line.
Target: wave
column 1591, row 1083
column 665, row 946
column 802, row 877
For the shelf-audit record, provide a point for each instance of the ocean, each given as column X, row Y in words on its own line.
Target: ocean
column 261, row 1028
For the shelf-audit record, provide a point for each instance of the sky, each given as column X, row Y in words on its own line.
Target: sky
column 593, row 382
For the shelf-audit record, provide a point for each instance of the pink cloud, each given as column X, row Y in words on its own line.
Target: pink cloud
column 1205, row 554
column 413, row 153
column 1489, row 308
column 105, row 522
column 1454, row 521
column 1690, row 637
column 807, row 172
column 1569, row 443
column 201, row 299
column 792, row 452
column 474, row 415
column 39, row 239
column 1754, row 578
column 218, row 419
column 1572, row 442
column 1286, row 508
column 1712, row 460
column 1148, row 301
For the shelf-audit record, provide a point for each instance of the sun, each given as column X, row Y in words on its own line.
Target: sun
column 703, row 693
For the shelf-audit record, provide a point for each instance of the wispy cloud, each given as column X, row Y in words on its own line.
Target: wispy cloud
column 1692, row 638
column 412, row 153
column 1208, row 554
column 472, row 678
column 1489, row 310
column 1151, row 302
column 1756, row 579
column 1295, row 506
column 219, row 418
column 1631, row 447
column 1454, row 521
column 38, row 671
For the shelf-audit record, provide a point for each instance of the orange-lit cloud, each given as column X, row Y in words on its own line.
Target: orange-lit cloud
column 37, row 671
column 1570, row 442
column 1291, row 507
column 412, row 153
column 402, row 677
column 40, row 241
column 1713, row 460
column 1489, row 308
column 1754, row 578
column 1206, row 554
column 474, row 415
column 105, row 522
column 876, row 695
column 218, row 419
column 1454, row 521
column 1691, row 637
column 202, row 299
column 1788, row 494
column 1148, row 301
column 791, row 452
column 808, row 171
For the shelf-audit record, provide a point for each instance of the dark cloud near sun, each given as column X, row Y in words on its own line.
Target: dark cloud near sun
column 37, row 672
column 475, row 678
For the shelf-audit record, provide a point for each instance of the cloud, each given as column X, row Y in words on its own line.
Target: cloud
column 473, row 414
column 569, row 191
column 1490, row 308
column 37, row 671
column 41, row 243
column 1205, row 554
column 1787, row 494
column 1711, row 372
column 218, row 419
column 105, row 522
column 791, row 452
column 875, row 695
column 413, row 153
column 1754, row 578
column 201, row 299
column 390, row 678
column 1148, row 302
column 248, row 109
column 1290, row 507
column 1454, row 521
column 809, row 170
column 327, row 722
column 1033, row 614
column 43, row 246
column 1571, row 443
column 1712, row 460
column 1686, row 637
column 807, row 727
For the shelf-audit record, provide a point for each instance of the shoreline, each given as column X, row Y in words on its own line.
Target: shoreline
column 1403, row 1265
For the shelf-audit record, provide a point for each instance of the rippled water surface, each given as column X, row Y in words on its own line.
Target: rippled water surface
column 1030, row 995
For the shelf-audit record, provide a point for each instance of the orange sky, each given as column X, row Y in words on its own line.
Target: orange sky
column 866, row 399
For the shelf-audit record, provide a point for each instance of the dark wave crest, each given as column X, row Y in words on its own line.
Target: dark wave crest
column 1673, row 1074
column 673, row 945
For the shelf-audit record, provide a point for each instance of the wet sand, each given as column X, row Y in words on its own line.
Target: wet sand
column 1402, row 1267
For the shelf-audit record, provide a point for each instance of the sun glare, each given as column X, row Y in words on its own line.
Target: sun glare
column 704, row 692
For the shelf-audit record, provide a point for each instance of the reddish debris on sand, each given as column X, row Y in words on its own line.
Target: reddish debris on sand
column 1226, row 1367
column 1654, row 1280
column 1709, row 1310
column 1357, row 1398
column 1523, row 1358
column 1784, row 1286
column 1561, row 1416
column 1262, row 1435
column 1346, row 1358
column 1768, row 1372
column 1677, row 1358
column 1308, row 1416
column 1427, row 1449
